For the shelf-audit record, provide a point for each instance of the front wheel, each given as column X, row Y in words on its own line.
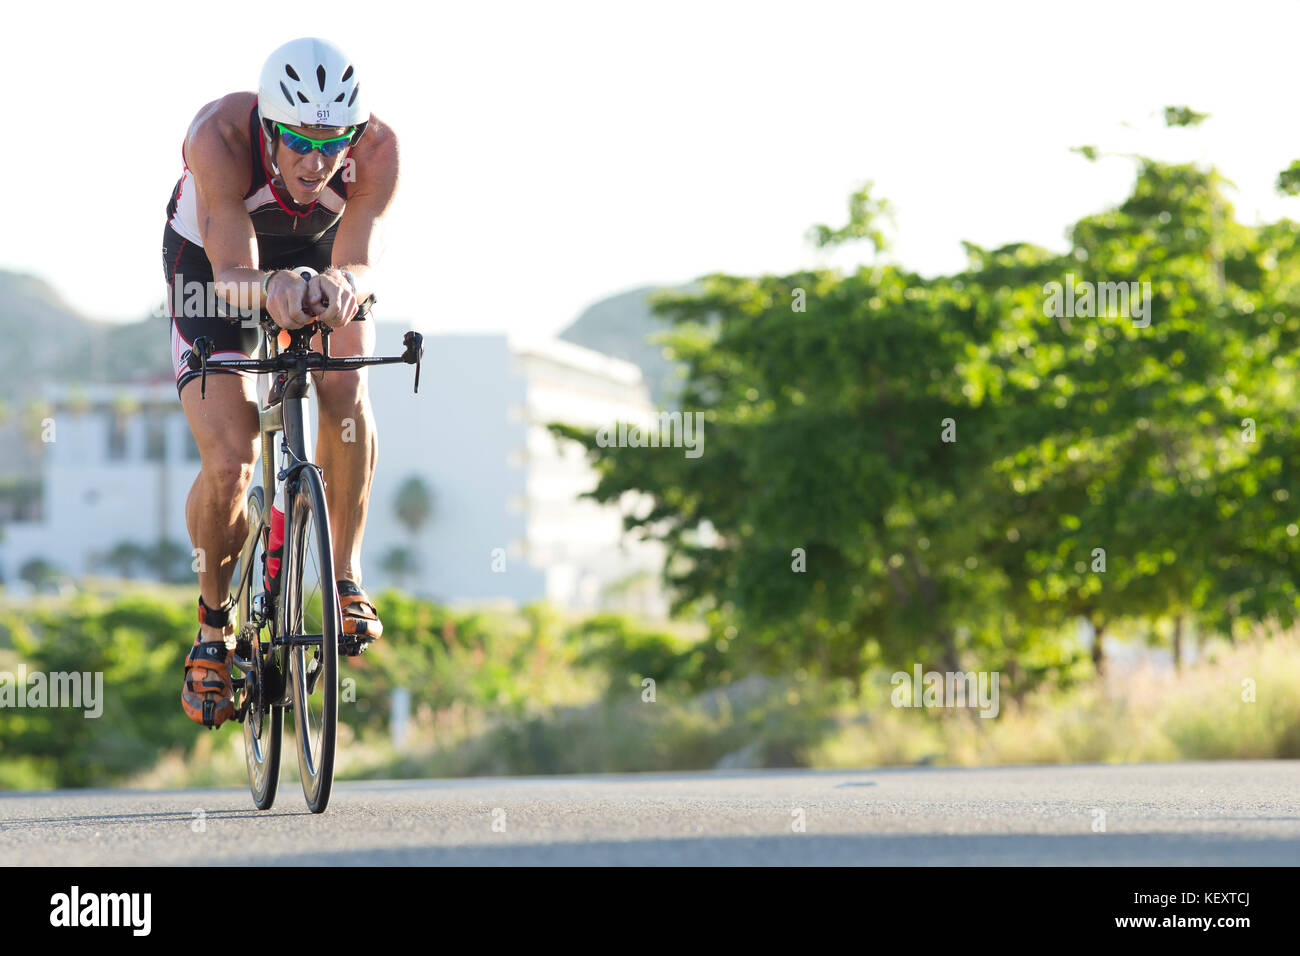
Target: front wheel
column 312, row 624
column 263, row 723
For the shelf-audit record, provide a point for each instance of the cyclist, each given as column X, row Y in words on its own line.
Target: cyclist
column 298, row 174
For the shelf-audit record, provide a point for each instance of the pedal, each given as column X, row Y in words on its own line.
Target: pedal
column 350, row 645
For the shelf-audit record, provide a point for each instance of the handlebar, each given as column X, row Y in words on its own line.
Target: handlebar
column 299, row 357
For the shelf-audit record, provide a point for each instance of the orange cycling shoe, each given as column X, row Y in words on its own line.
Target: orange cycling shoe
column 208, row 696
column 361, row 623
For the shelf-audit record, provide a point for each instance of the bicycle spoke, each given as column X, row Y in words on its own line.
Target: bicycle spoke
column 315, row 662
column 262, row 724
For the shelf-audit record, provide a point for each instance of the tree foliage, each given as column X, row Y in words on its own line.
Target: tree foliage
column 413, row 504
column 967, row 463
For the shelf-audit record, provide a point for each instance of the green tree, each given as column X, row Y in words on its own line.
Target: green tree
column 170, row 561
column 137, row 645
column 413, row 504
column 956, row 468
column 125, row 557
column 39, row 573
column 400, row 563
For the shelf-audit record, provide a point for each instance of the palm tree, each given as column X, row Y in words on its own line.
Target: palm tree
column 414, row 503
column 401, row 563
column 170, row 561
column 38, row 572
column 414, row 507
column 123, row 558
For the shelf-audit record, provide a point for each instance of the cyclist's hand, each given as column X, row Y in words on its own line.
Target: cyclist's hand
column 331, row 300
column 286, row 299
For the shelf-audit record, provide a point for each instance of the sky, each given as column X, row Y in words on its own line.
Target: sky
column 555, row 153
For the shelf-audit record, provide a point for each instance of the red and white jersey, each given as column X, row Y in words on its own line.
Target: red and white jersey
column 282, row 226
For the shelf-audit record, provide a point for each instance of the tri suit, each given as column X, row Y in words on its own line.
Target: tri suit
column 288, row 235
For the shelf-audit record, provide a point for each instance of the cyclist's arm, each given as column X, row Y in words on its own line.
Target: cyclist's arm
column 221, row 177
column 358, row 242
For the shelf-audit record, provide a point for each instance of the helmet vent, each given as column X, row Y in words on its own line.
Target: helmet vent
column 316, row 83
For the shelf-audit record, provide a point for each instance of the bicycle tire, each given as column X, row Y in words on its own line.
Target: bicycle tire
column 263, row 735
column 310, row 607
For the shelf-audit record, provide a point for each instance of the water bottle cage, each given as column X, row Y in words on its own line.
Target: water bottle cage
column 271, row 580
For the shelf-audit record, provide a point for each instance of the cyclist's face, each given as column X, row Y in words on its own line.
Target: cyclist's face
column 305, row 176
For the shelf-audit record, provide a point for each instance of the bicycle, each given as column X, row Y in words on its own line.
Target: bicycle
column 298, row 609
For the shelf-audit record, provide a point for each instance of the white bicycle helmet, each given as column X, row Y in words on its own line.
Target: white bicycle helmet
column 311, row 82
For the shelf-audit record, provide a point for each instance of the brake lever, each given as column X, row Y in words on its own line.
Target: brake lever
column 414, row 343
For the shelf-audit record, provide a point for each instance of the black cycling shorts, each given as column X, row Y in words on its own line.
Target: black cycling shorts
column 196, row 310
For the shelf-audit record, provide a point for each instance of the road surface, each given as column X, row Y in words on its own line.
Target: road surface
column 1215, row 814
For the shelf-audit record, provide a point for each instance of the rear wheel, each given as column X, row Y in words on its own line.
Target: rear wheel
column 312, row 624
column 263, row 725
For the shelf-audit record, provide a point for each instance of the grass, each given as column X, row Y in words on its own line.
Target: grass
column 522, row 692
column 1241, row 703
column 1205, row 713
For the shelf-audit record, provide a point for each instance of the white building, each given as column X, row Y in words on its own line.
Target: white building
column 117, row 465
column 505, row 493
column 506, row 520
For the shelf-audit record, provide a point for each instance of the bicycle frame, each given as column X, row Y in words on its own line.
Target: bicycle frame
column 283, row 409
column 286, row 413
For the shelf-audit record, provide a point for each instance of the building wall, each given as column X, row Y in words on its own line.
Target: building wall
column 507, row 522
column 581, row 542
column 98, row 492
column 457, row 437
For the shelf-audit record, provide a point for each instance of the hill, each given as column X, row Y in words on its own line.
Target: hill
column 621, row 326
column 47, row 341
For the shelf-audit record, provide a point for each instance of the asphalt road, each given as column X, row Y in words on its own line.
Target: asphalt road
column 1215, row 814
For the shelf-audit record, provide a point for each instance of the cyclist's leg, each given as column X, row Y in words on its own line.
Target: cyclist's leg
column 346, row 449
column 224, row 425
column 347, row 446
